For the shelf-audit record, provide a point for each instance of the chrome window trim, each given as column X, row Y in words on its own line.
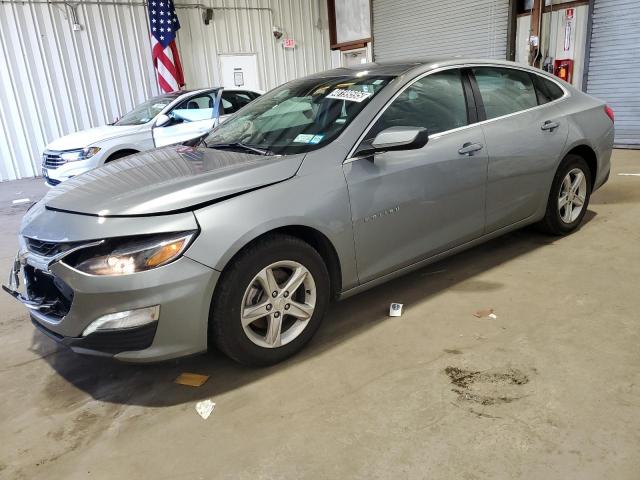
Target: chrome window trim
column 565, row 94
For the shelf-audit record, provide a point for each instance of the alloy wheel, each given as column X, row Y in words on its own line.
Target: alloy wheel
column 278, row 303
column 573, row 193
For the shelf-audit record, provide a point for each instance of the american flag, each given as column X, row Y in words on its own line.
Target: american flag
column 164, row 24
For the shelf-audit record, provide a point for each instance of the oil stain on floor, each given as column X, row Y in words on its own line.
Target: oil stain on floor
column 489, row 387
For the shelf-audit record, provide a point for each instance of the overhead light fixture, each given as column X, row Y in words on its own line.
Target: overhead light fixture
column 75, row 24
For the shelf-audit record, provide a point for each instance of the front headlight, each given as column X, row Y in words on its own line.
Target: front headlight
column 84, row 154
column 123, row 256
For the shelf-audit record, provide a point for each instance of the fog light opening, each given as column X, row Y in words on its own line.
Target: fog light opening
column 126, row 319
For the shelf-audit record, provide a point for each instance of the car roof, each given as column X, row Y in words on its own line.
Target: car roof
column 376, row 68
column 242, row 89
column 417, row 65
column 208, row 89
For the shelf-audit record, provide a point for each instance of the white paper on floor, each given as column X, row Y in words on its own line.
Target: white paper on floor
column 204, row 408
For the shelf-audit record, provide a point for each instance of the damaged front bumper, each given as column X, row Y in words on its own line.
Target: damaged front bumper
column 66, row 305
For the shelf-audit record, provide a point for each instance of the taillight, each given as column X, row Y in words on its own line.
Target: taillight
column 609, row 111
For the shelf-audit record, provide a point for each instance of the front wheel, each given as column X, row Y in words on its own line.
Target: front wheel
column 270, row 301
column 569, row 196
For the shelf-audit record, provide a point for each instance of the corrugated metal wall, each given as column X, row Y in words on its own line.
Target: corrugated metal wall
column 614, row 65
column 54, row 81
column 424, row 28
column 201, row 44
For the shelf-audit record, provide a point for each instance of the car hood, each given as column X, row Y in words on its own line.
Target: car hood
column 85, row 138
column 168, row 180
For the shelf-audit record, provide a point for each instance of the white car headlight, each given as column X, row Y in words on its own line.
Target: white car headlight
column 84, row 154
column 123, row 256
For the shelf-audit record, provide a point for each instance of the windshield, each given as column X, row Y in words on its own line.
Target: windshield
column 299, row 116
column 147, row 111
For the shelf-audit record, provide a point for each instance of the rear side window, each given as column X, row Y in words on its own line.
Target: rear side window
column 234, row 101
column 504, row 90
column 435, row 102
column 546, row 89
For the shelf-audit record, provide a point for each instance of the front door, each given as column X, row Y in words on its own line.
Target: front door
column 409, row 205
column 524, row 141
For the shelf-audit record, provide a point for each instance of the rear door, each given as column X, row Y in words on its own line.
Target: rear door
column 190, row 119
column 525, row 134
column 409, row 205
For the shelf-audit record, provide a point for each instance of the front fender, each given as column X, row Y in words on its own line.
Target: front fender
column 138, row 141
column 318, row 201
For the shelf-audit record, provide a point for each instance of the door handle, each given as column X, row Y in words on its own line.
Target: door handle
column 549, row 125
column 468, row 148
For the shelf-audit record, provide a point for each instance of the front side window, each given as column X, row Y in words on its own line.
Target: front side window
column 504, row 90
column 435, row 102
column 194, row 109
column 299, row 116
column 147, row 111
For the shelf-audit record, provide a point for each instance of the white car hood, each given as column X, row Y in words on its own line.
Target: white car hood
column 91, row 136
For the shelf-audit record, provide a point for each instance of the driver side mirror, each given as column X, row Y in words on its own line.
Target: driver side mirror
column 397, row 138
column 162, row 120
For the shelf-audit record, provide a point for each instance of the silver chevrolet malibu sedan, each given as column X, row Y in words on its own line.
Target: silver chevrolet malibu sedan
column 322, row 188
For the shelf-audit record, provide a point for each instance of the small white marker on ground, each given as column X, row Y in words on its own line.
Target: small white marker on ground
column 204, row 408
column 395, row 310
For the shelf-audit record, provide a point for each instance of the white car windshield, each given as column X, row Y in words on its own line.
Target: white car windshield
column 299, row 116
column 147, row 111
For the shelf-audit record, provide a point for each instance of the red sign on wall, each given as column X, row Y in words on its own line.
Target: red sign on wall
column 569, row 13
column 288, row 43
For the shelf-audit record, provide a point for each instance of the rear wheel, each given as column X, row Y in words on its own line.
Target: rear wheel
column 569, row 196
column 270, row 301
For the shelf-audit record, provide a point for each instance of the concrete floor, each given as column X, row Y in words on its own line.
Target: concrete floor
column 549, row 389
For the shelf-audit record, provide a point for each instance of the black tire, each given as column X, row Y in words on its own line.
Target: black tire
column 552, row 222
column 225, row 328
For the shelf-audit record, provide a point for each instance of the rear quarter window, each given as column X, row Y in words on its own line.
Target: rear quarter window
column 546, row 90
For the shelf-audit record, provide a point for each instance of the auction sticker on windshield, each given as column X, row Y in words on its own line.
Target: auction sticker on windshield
column 350, row 95
column 303, row 138
column 308, row 138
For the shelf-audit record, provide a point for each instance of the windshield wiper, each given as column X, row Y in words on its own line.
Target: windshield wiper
column 243, row 146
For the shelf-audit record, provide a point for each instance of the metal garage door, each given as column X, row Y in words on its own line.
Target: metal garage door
column 614, row 64
column 423, row 28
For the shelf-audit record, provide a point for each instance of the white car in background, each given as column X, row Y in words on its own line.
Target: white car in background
column 163, row 120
